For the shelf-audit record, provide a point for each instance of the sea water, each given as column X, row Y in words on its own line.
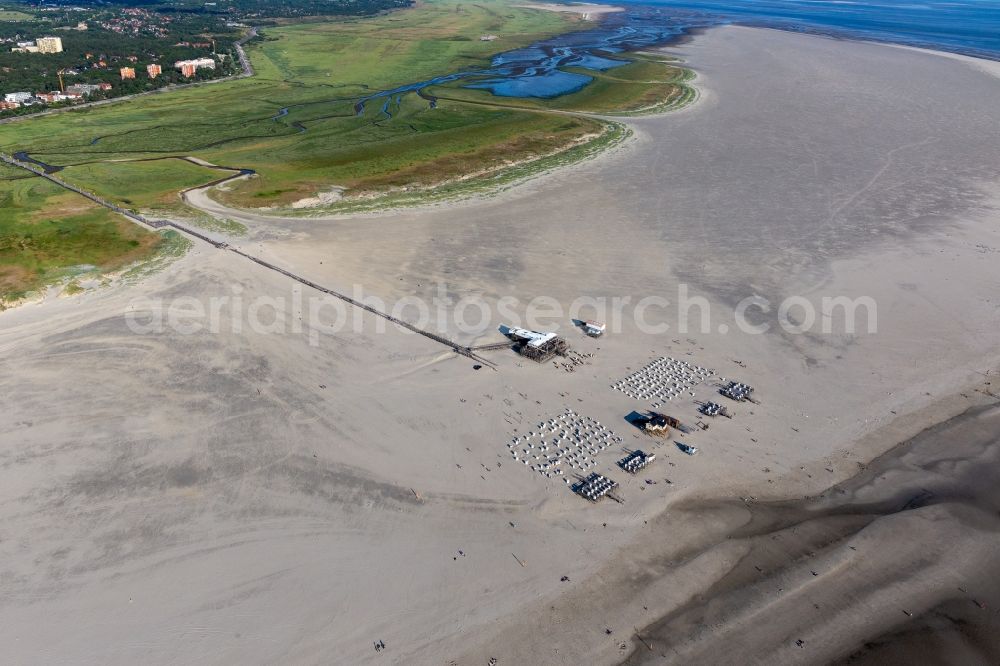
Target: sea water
column 559, row 66
column 970, row 27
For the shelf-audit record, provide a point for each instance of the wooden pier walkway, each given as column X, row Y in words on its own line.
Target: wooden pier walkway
column 160, row 224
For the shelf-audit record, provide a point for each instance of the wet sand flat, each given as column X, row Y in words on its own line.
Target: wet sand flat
column 907, row 547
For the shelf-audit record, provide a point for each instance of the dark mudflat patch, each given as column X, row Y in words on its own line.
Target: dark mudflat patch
column 934, row 495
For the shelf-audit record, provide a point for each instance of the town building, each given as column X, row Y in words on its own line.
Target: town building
column 154, row 70
column 189, row 67
column 56, row 96
column 17, row 97
column 49, row 44
column 127, row 73
column 7, row 106
column 83, row 88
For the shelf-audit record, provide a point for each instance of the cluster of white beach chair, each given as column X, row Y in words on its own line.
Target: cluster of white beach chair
column 712, row 409
column 636, row 461
column 595, row 486
column 737, row 391
column 663, row 379
column 568, row 440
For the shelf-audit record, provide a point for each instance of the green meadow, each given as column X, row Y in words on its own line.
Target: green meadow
column 48, row 234
column 316, row 71
column 14, row 15
column 150, row 185
column 295, row 121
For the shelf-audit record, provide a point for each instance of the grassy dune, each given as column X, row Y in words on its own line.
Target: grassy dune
column 48, row 234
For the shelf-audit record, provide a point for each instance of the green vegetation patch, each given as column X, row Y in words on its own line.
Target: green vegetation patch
column 141, row 185
column 295, row 121
column 153, row 188
column 649, row 84
column 48, row 234
column 613, row 134
column 172, row 246
column 14, row 15
column 432, row 146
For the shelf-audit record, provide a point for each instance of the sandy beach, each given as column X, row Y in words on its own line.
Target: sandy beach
column 240, row 495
